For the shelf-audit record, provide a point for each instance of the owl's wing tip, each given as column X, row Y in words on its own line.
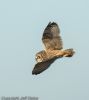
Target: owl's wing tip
column 35, row 72
column 52, row 23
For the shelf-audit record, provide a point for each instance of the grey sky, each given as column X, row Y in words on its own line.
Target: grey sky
column 21, row 26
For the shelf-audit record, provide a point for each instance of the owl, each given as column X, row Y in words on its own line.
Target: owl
column 53, row 49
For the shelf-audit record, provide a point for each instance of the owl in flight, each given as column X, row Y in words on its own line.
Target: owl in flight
column 53, row 49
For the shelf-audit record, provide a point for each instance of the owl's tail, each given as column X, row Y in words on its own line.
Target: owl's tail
column 69, row 52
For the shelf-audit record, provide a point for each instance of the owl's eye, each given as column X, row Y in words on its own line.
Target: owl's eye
column 38, row 57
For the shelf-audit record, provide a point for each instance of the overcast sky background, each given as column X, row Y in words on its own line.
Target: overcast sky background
column 21, row 26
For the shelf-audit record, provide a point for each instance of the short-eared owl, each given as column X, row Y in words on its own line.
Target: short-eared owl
column 53, row 48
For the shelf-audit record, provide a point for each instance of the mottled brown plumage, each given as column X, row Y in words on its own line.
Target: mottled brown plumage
column 53, row 48
column 51, row 37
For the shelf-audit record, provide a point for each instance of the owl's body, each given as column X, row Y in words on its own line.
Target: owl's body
column 49, row 54
column 53, row 49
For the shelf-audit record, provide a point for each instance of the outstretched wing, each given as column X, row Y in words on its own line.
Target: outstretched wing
column 51, row 37
column 42, row 66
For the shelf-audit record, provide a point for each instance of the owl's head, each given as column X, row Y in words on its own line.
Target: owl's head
column 40, row 56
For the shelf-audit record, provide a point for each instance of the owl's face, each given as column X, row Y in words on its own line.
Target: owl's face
column 39, row 57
